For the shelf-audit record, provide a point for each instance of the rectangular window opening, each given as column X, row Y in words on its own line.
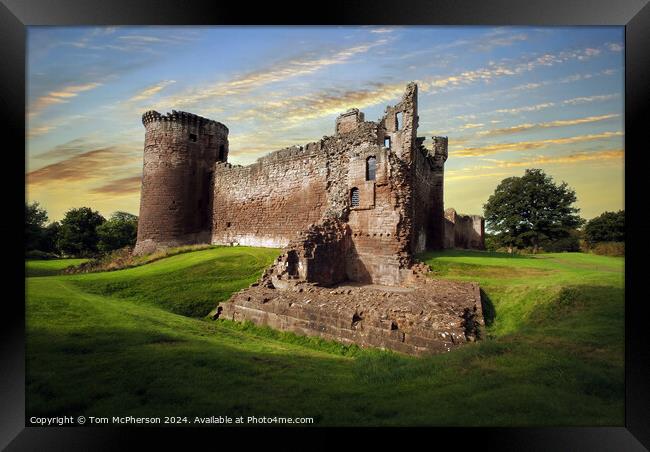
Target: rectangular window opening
column 193, row 137
column 387, row 142
column 398, row 120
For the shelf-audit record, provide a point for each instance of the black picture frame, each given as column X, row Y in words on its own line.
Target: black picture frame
column 16, row 15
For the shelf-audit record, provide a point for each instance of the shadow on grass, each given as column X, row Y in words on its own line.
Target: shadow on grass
column 489, row 313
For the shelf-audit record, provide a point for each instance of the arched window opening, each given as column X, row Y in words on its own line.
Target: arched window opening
column 371, row 168
column 354, row 197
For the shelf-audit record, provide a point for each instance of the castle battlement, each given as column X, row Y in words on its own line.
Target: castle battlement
column 181, row 117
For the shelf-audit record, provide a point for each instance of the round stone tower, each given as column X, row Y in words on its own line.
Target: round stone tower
column 180, row 151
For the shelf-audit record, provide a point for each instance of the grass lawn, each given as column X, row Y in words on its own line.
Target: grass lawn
column 49, row 267
column 134, row 342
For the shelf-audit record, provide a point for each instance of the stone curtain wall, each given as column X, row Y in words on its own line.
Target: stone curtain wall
column 180, row 151
column 464, row 231
column 271, row 201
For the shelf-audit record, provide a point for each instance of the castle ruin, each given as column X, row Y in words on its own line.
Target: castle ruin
column 350, row 211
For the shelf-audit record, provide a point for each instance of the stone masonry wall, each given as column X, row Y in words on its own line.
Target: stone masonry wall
column 464, row 231
column 428, row 210
column 270, row 202
column 180, row 150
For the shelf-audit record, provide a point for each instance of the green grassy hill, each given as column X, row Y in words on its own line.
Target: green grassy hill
column 134, row 342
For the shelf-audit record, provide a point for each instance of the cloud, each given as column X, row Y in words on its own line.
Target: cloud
column 471, row 126
column 548, row 124
column 120, row 187
column 278, row 72
column 456, row 175
column 297, row 109
column 583, row 100
column 90, row 165
column 614, row 154
column 614, row 47
column 65, row 150
column 33, row 132
column 535, row 107
column 528, row 145
column 59, row 96
column 487, row 171
column 382, row 30
column 499, row 38
column 151, row 91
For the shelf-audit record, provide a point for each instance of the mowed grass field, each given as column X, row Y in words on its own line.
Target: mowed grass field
column 135, row 342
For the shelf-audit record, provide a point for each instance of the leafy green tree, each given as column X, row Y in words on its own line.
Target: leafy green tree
column 119, row 231
column 50, row 238
column 607, row 227
column 35, row 219
column 78, row 234
column 528, row 210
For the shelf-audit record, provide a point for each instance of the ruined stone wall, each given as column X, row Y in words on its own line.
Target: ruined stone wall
column 180, row 151
column 273, row 200
column 464, row 231
column 270, row 202
column 428, row 210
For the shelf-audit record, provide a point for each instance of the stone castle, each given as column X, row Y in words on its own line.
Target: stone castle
column 350, row 212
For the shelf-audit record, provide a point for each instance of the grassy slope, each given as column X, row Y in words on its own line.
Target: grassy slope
column 49, row 267
column 107, row 344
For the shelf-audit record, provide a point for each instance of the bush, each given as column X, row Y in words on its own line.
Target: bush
column 607, row 227
column 570, row 243
column 609, row 248
column 491, row 243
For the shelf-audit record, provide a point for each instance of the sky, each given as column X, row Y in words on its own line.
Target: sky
column 508, row 98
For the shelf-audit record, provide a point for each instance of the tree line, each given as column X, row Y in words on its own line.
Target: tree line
column 82, row 232
column 534, row 213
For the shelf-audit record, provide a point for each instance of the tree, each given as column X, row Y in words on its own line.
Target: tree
column 35, row 219
column 50, row 238
column 607, row 227
column 528, row 210
column 119, row 231
column 78, row 234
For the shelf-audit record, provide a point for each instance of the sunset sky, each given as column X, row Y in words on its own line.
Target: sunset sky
column 508, row 98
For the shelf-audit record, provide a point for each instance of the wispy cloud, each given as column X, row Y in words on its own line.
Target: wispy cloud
column 528, row 145
column 587, row 99
column 88, row 166
column 579, row 157
column 525, row 108
column 545, row 125
column 501, row 37
column 382, row 30
column 120, row 187
column 278, row 72
column 614, row 47
column 151, row 90
column 464, row 175
column 60, row 96
column 471, row 126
